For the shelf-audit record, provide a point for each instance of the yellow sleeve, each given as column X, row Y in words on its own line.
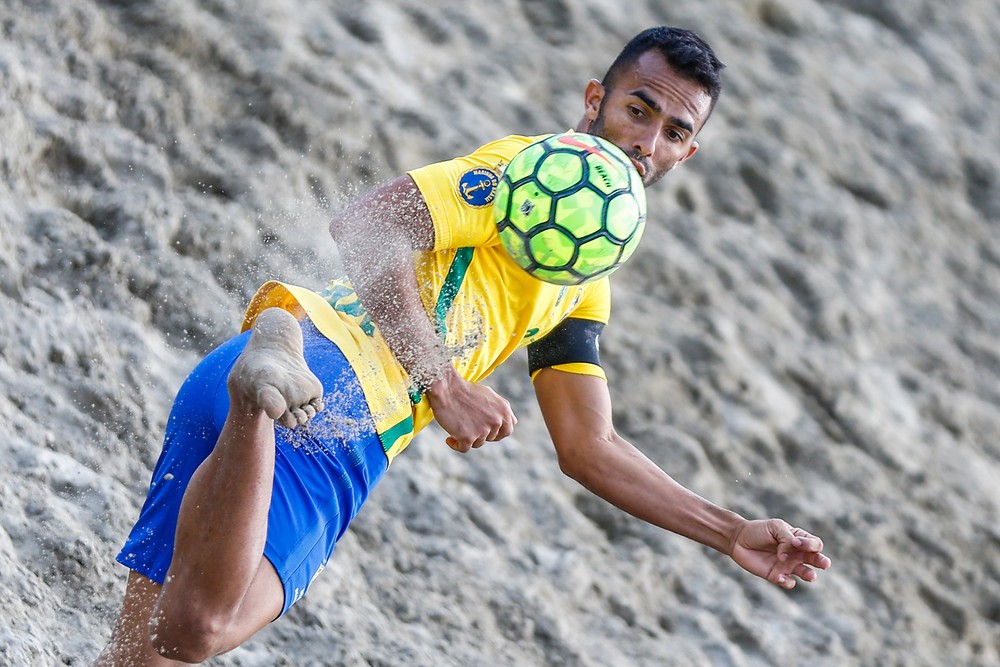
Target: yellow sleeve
column 594, row 305
column 579, row 368
column 596, row 302
column 459, row 193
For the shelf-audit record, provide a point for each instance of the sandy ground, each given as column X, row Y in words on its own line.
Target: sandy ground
column 811, row 328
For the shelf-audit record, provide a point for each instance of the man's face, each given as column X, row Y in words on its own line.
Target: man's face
column 649, row 112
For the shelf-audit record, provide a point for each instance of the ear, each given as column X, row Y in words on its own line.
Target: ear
column 691, row 151
column 592, row 98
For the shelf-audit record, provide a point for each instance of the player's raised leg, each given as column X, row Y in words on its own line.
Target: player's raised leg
column 205, row 606
column 220, row 589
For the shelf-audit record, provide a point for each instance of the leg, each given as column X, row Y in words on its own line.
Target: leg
column 205, row 607
column 219, row 589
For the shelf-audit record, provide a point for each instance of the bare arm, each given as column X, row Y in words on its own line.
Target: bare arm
column 377, row 236
column 577, row 412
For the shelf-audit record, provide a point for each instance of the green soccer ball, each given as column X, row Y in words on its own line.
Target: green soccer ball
column 570, row 208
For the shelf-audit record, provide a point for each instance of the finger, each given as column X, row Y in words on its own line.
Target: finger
column 511, row 417
column 494, row 433
column 806, row 542
column 317, row 404
column 508, row 423
column 309, row 410
column 818, row 560
column 478, row 442
column 804, row 572
column 504, row 429
column 786, row 581
column 782, row 534
column 456, row 444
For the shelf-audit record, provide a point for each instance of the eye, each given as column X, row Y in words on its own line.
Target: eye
column 674, row 135
column 636, row 111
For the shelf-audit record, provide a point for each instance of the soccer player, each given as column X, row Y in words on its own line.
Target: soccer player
column 277, row 437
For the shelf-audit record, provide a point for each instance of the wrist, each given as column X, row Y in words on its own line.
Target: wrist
column 431, row 381
column 441, row 381
column 735, row 525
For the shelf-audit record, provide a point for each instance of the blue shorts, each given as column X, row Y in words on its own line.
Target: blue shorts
column 323, row 472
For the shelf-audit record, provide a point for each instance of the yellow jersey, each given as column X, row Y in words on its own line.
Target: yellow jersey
column 483, row 305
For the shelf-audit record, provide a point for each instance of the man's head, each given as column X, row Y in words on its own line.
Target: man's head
column 655, row 98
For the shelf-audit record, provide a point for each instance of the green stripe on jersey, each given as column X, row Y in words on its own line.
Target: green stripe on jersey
column 449, row 290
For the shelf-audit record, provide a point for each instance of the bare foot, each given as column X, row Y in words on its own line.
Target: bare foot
column 271, row 373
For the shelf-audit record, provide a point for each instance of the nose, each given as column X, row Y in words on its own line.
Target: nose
column 645, row 143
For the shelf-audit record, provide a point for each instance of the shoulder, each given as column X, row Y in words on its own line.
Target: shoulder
column 509, row 146
column 494, row 156
column 458, row 192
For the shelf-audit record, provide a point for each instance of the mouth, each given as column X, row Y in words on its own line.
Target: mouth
column 640, row 167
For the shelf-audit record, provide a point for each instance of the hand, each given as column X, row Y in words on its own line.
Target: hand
column 471, row 414
column 776, row 551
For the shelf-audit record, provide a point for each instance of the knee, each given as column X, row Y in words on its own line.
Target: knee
column 189, row 634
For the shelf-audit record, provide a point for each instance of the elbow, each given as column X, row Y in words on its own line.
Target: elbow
column 337, row 226
column 580, row 460
column 569, row 466
column 589, row 461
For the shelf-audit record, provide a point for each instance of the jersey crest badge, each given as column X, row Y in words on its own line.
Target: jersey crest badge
column 478, row 186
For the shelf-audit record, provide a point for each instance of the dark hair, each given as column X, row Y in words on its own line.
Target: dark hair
column 685, row 51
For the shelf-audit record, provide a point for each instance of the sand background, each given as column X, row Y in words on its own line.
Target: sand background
column 811, row 328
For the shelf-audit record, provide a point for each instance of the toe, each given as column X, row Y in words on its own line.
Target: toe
column 271, row 400
column 299, row 415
